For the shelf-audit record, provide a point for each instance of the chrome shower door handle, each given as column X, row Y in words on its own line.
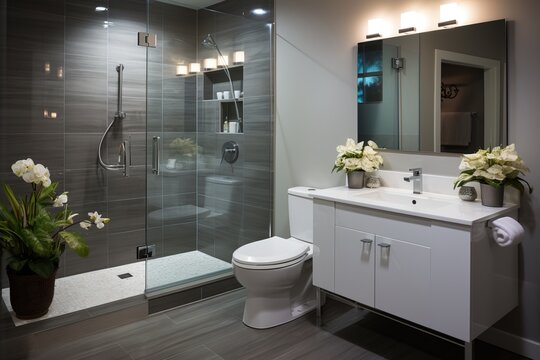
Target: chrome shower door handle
column 155, row 155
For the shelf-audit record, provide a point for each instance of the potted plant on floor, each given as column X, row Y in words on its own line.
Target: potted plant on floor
column 34, row 233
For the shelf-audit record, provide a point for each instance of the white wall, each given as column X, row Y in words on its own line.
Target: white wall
column 316, row 110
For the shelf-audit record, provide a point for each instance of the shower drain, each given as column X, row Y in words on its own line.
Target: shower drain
column 125, row 276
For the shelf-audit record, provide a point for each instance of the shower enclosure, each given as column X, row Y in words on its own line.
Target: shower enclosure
column 196, row 171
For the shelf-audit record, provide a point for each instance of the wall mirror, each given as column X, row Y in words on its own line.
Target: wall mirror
column 442, row 91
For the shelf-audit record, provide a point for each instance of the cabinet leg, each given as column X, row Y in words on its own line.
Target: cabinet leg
column 468, row 349
column 319, row 315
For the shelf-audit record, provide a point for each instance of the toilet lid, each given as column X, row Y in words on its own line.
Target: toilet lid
column 275, row 250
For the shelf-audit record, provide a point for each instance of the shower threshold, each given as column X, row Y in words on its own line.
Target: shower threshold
column 96, row 288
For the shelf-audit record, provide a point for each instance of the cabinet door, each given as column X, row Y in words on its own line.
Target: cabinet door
column 355, row 265
column 402, row 274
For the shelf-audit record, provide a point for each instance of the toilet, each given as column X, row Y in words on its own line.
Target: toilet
column 277, row 272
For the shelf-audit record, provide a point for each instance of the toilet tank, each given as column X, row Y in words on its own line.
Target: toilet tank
column 301, row 213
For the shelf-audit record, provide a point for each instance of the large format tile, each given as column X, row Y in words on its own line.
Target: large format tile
column 81, row 151
column 47, row 149
column 123, row 246
column 86, row 186
column 126, row 215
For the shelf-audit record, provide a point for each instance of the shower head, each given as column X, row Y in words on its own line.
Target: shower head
column 209, row 42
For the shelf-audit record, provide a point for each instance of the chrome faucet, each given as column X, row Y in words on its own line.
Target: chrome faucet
column 416, row 179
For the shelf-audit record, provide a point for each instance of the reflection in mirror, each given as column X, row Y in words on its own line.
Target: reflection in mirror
column 440, row 91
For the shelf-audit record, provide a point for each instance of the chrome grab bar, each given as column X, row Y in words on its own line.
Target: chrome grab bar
column 155, row 155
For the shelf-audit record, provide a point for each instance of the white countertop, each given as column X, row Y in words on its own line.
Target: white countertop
column 453, row 210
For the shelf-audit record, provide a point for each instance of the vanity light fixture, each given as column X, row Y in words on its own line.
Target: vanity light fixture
column 181, row 69
column 408, row 22
column 238, row 57
column 101, row 9
column 448, row 14
column 194, row 68
column 210, row 64
column 223, row 60
column 375, row 27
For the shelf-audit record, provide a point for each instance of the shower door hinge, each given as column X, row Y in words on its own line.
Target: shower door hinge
column 147, row 39
column 398, row 63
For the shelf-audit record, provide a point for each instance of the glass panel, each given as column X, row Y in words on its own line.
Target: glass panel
column 205, row 202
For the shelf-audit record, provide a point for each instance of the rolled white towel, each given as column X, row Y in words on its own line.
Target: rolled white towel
column 507, row 231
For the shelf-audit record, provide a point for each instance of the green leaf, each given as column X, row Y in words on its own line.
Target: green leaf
column 17, row 264
column 43, row 268
column 34, row 244
column 47, row 193
column 15, row 205
column 76, row 242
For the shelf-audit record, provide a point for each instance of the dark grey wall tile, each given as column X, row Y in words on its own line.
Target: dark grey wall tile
column 126, row 215
column 179, row 238
column 135, row 109
column 86, row 186
column 121, row 187
column 85, row 113
column 47, row 149
column 154, row 236
column 85, row 75
column 81, row 151
column 86, row 36
column 256, row 224
column 96, row 259
column 257, row 78
column 258, row 115
column 205, row 239
column 26, row 27
column 123, row 246
column 258, row 188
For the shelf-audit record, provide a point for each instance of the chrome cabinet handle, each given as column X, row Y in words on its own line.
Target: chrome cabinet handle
column 367, row 241
column 384, row 245
column 155, row 155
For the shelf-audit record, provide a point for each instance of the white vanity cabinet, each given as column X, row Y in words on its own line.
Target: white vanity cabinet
column 448, row 277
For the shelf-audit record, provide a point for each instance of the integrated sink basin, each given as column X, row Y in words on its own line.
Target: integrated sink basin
column 401, row 198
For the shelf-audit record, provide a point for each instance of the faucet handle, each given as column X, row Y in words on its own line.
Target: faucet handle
column 416, row 171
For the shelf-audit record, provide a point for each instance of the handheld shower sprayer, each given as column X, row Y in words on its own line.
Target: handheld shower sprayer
column 124, row 155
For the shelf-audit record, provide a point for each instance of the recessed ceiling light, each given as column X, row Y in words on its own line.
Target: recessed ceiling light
column 101, row 8
column 258, row 11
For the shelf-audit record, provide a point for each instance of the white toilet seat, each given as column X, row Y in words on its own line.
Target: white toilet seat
column 272, row 253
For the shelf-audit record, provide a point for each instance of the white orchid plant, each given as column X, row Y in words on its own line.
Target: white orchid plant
column 357, row 157
column 498, row 166
column 35, row 237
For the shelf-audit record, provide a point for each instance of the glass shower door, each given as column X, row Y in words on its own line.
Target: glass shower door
column 199, row 206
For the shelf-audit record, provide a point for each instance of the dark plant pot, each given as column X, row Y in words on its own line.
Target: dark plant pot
column 355, row 179
column 491, row 195
column 30, row 294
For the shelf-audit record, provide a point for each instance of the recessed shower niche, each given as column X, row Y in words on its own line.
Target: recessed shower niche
column 229, row 120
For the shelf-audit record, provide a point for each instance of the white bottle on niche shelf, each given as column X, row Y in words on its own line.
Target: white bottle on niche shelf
column 226, row 125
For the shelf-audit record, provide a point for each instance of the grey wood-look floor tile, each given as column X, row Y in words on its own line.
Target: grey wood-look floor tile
column 197, row 353
column 213, row 330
